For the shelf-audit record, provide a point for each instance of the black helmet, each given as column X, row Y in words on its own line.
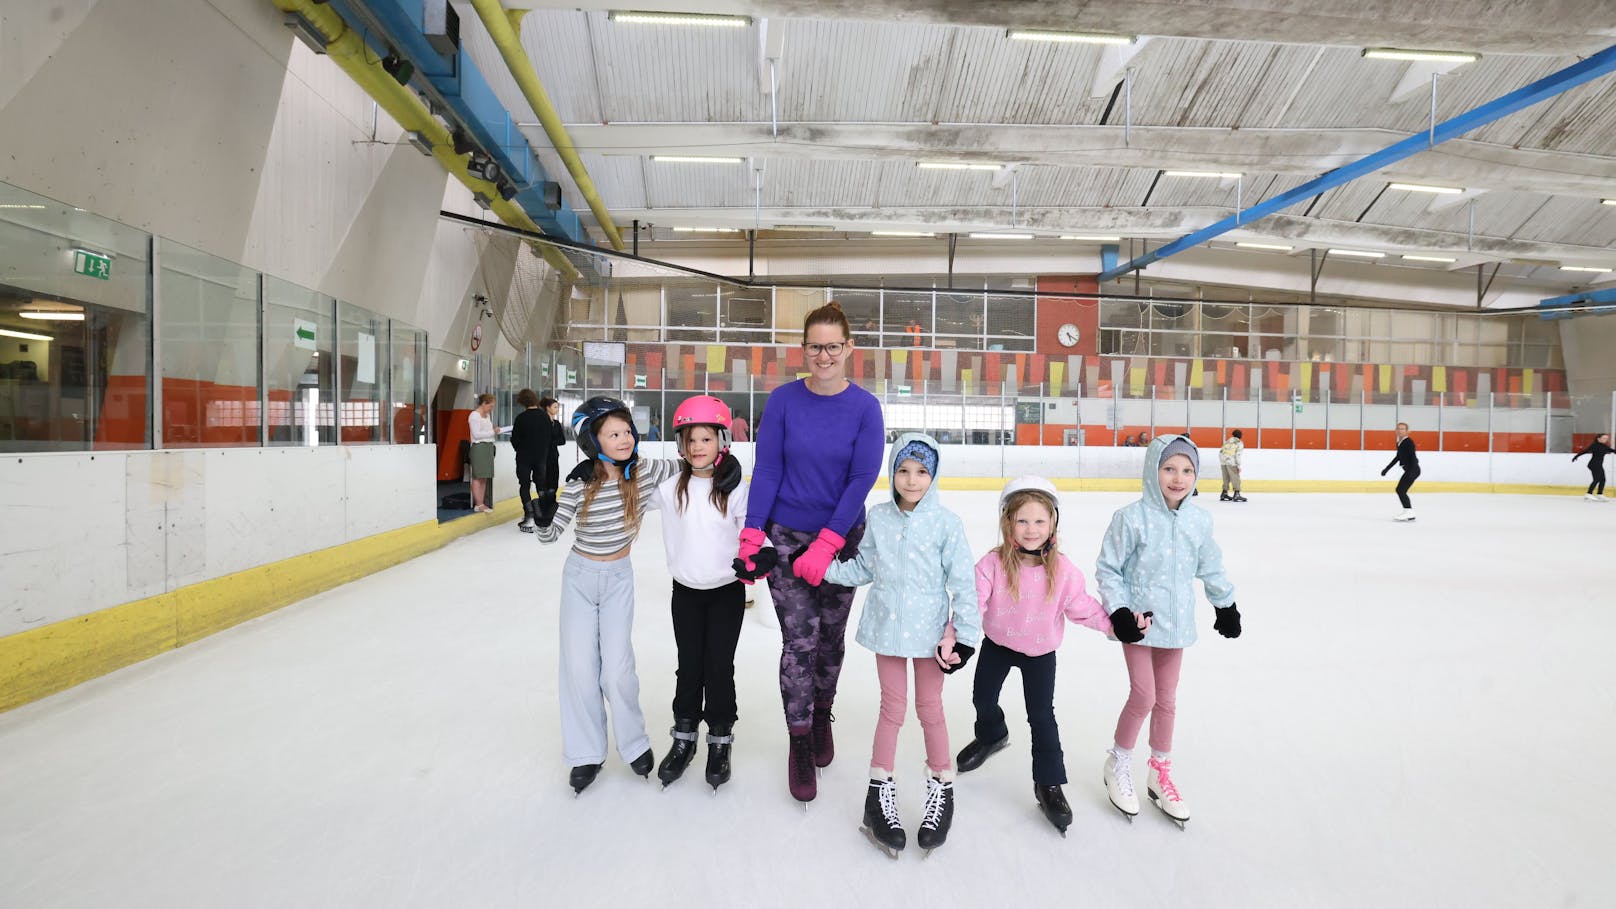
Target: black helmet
column 587, row 417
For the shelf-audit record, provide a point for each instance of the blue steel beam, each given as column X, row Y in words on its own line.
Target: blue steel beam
column 1597, row 301
column 471, row 99
column 1547, row 87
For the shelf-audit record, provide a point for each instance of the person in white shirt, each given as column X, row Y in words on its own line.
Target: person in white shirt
column 703, row 509
column 482, row 452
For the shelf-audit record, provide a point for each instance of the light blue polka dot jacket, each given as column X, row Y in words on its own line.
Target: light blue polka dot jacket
column 1152, row 555
column 921, row 570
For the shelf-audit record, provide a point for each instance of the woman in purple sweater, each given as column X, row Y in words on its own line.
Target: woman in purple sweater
column 819, row 450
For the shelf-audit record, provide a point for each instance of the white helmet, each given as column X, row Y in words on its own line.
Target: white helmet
column 1031, row 484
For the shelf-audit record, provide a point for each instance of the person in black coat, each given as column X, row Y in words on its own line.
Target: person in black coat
column 1596, row 451
column 548, row 475
column 535, row 435
column 1410, row 462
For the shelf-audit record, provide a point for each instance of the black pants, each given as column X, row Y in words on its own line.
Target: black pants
column 526, row 473
column 993, row 665
column 530, row 472
column 1407, row 482
column 706, row 628
column 1598, row 484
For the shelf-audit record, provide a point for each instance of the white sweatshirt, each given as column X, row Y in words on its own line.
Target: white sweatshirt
column 701, row 543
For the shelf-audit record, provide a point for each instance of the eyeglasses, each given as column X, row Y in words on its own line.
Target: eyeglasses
column 835, row 349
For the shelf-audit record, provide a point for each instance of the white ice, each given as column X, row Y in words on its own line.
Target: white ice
column 1417, row 715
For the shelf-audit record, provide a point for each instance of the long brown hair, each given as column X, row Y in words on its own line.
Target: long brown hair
column 1010, row 555
column 720, row 500
column 829, row 314
column 627, row 488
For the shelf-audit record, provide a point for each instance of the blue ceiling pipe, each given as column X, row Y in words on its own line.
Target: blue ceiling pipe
column 400, row 26
column 1597, row 302
column 1547, row 87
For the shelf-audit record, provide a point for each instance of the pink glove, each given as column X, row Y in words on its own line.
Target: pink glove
column 811, row 563
column 752, row 539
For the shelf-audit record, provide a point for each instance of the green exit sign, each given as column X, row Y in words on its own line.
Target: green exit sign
column 92, row 264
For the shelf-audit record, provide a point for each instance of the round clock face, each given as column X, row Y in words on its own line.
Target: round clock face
column 1067, row 334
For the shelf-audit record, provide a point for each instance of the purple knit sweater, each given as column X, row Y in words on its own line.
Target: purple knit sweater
column 817, row 458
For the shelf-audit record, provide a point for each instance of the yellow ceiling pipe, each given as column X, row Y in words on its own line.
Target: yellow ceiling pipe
column 505, row 26
column 347, row 49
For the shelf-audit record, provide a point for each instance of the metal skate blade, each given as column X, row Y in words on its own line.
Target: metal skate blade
column 891, row 853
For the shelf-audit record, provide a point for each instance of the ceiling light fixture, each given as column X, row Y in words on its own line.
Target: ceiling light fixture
column 1201, row 173
column 1091, row 239
column 1277, row 247
column 1601, row 202
column 25, row 335
column 41, row 207
column 696, row 159
column 995, row 235
column 1059, row 37
column 400, row 69
column 804, row 228
column 646, row 17
column 1594, row 269
column 1423, row 188
column 54, row 316
column 956, row 165
column 706, row 230
column 1358, row 253
column 901, row 233
column 1432, row 56
column 1443, row 259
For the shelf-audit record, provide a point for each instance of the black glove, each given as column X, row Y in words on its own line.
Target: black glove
column 762, row 563
column 1125, row 628
column 727, row 475
column 1383, row 471
column 963, row 651
column 1227, row 622
column 584, row 472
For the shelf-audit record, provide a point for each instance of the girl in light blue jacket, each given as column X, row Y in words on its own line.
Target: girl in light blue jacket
column 915, row 553
column 1153, row 551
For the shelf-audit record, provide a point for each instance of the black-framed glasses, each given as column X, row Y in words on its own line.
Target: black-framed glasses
column 834, row 348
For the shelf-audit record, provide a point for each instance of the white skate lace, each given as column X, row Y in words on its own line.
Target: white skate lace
column 888, row 794
column 1123, row 772
column 934, row 803
column 1163, row 768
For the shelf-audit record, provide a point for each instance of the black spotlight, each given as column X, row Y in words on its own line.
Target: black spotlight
column 401, row 70
column 462, row 143
column 483, row 167
column 506, row 190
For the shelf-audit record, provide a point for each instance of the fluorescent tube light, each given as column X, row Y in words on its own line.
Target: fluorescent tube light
column 1041, row 34
column 25, row 335
column 1358, row 253
column 1277, row 247
column 1595, row 269
column 995, row 235
column 696, row 159
column 1434, row 56
column 1091, row 239
column 956, row 165
column 1422, row 188
column 1200, row 173
column 54, row 316
column 706, row 230
column 645, row 17
column 41, row 207
column 1442, row 259
column 1601, row 202
column 804, row 228
column 901, row 233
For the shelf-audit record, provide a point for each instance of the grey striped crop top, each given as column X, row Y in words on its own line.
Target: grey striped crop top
column 602, row 531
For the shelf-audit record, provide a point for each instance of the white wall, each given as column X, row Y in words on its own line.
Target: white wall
column 84, row 532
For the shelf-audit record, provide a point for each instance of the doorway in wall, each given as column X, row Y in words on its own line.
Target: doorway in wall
column 454, row 445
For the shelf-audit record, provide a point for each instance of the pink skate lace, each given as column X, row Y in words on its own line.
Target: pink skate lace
column 1163, row 768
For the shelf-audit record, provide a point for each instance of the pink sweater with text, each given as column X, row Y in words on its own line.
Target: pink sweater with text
column 1031, row 623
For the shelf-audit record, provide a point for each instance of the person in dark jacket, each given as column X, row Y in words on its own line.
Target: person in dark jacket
column 548, row 476
column 530, row 436
column 1596, row 451
column 1411, row 470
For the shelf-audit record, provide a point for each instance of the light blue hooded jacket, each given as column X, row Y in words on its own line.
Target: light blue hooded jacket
column 1152, row 555
column 922, row 569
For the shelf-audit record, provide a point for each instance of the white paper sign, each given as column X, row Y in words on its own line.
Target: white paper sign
column 365, row 369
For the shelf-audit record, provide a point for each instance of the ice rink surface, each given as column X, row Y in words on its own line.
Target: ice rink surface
column 1417, row 715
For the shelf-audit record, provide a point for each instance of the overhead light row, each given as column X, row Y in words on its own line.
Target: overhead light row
column 1420, row 56
column 648, row 17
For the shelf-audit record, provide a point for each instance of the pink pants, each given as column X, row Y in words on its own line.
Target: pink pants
column 895, row 704
column 1152, row 690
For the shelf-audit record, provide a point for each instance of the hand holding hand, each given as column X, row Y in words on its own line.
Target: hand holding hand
column 811, row 563
column 752, row 540
column 952, row 657
column 762, row 562
column 1127, row 627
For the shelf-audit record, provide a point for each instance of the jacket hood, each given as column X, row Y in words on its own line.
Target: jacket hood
column 929, row 500
column 1150, row 484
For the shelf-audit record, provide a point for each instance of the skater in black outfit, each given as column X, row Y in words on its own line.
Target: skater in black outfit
column 1411, row 470
column 530, row 436
column 1596, row 451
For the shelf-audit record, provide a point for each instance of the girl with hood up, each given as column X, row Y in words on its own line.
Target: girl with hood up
column 1153, row 551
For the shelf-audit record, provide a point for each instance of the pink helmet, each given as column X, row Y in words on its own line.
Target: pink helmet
column 703, row 410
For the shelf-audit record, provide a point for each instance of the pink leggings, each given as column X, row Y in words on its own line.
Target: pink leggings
column 895, row 704
column 1152, row 690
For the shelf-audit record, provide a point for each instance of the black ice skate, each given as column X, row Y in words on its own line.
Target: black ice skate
column 973, row 755
column 1052, row 802
column 881, row 822
column 581, row 776
column 1225, row 497
column 1238, row 498
column 682, row 752
column 939, row 814
column 643, row 764
column 718, row 742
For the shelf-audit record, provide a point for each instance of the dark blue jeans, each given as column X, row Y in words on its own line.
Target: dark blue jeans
column 993, row 665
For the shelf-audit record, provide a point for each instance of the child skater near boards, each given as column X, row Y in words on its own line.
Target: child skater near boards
column 921, row 612
column 1153, row 551
column 701, row 524
column 607, row 494
column 1028, row 590
column 1596, row 451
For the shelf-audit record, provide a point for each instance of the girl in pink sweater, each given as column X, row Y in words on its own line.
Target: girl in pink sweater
column 1028, row 591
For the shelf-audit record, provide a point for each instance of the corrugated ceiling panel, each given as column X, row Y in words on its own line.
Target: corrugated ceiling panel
column 861, row 71
column 558, row 43
column 992, row 79
column 1346, row 203
column 654, row 73
column 697, row 185
column 1582, row 222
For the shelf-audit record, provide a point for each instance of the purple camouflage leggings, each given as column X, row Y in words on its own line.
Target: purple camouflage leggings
column 813, row 627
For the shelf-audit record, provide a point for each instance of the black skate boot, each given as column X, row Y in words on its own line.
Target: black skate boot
column 718, row 742
column 973, row 755
column 939, row 814
column 1052, row 802
column 527, row 517
column 1238, row 498
column 881, row 822
column 581, row 776
column 824, row 742
column 800, row 768
column 643, row 764
column 680, row 754
column 1225, row 497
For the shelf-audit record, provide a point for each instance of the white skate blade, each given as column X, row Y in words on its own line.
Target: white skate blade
column 1180, row 821
column 870, row 835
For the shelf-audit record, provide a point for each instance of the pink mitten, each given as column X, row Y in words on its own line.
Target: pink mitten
column 811, row 563
column 752, row 539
